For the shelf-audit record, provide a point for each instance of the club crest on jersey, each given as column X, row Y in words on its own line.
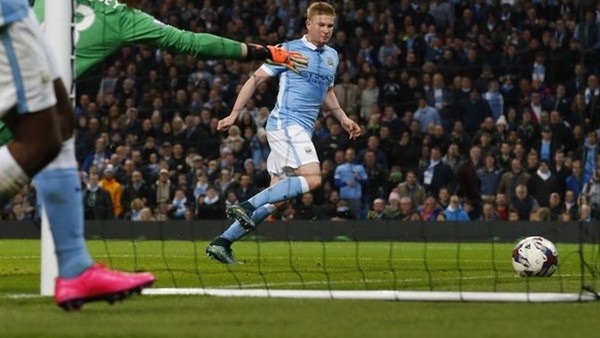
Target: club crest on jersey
column 330, row 62
column 308, row 150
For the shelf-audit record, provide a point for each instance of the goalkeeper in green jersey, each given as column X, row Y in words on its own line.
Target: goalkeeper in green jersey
column 103, row 27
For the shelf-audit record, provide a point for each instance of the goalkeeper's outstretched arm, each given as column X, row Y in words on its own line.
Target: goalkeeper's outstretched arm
column 203, row 45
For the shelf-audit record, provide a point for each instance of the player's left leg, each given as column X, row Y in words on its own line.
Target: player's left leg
column 59, row 189
column 220, row 248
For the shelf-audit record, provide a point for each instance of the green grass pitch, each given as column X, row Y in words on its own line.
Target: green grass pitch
column 303, row 265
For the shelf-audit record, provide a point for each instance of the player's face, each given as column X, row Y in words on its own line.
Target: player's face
column 319, row 29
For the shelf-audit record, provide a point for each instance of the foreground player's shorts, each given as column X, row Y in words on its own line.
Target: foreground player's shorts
column 25, row 65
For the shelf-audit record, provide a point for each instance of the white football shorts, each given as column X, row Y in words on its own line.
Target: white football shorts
column 26, row 67
column 291, row 148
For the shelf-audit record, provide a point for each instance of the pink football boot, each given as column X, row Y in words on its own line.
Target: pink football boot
column 99, row 283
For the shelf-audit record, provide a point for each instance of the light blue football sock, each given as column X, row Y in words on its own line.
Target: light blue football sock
column 59, row 190
column 287, row 188
column 235, row 230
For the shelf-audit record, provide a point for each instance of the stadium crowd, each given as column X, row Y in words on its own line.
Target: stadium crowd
column 470, row 110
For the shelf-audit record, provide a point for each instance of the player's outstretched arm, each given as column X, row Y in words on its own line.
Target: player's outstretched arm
column 208, row 45
column 332, row 103
column 245, row 94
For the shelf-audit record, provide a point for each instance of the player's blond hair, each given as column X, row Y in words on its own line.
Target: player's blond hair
column 319, row 8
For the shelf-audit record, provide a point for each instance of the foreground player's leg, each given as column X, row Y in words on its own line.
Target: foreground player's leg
column 287, row 188
column 80, row 280
column 220, row 248
column 59, row 190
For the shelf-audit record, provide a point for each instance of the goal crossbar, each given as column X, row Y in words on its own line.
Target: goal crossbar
column 432, row 296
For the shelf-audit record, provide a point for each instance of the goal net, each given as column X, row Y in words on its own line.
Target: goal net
column 440, row 261
column 392, row 260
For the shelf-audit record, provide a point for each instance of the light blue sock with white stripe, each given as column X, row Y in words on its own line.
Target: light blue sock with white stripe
column 235, row 230
column 59, row 189
column 287, row 188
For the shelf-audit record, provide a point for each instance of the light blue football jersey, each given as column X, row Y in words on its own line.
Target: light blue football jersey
column 12, row 10
column 301, row 95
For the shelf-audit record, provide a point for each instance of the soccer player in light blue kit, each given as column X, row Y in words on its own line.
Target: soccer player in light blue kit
column 33, row 100
column 293, row 163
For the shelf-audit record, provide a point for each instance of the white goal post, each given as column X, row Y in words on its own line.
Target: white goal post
column 58, row 25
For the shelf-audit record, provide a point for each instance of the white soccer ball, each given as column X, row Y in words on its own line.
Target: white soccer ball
column 535, row 256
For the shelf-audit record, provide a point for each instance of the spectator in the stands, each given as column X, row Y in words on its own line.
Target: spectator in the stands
column 472, row 111
column 210, row 205
column 426, row 115
column 488, row 213
column 97, row 202
column 109, row 183
column 542, row 184
column 97, row 157
column 546, row 147
column 502, row 207
column 162, row 189
column 455, row 212
column 489, row 176
column 412, row 188
column 377, row 210
column 435, row 174
column 509, row 180
column 351, row 178
column 588, row 153
column 428, row 210
column 555, row 206
column 307, row 210
column 523, row 202
column 591, row 190
column 347, row 93
column 585, row 213
column 469, row 186
column 135, row 188
column 576, row 180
